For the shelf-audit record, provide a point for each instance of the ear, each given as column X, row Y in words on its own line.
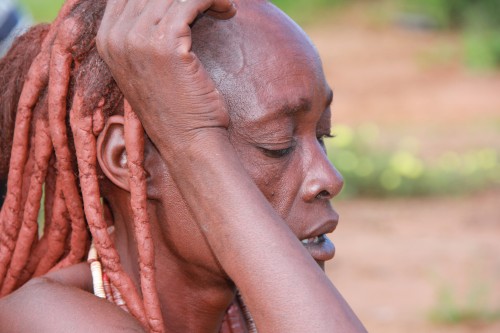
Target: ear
column 111, row 152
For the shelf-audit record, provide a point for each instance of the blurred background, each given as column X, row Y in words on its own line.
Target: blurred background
column 417, row 124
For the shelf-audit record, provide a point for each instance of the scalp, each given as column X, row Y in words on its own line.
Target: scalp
column 255, row 44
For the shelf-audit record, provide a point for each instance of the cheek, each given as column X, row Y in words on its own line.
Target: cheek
column 180, row 234
column 279, row 180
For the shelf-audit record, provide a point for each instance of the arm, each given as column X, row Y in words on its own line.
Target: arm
column 193, row 129
column 255, row 247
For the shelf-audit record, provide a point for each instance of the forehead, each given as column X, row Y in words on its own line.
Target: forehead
column 260, row 61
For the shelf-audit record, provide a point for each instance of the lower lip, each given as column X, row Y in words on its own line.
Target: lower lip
column 322, row 251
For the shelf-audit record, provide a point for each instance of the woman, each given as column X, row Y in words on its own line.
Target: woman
column 230, row 187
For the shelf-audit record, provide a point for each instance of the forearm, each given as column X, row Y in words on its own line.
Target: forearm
column 254, row 245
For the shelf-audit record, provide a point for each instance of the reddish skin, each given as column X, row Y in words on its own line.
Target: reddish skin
column 191, row 135
column 134, row 143
column 196, row 166
column 29, row 228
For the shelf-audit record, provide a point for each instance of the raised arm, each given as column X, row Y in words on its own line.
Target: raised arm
column 148, row 47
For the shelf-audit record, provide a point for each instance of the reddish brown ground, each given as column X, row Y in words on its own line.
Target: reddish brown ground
column 394, row 256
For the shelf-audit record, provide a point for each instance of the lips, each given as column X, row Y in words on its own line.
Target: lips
column 320, row 247
column 318, row 244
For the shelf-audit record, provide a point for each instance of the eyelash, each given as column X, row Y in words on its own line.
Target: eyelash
column 321, row 138
column 279, row 153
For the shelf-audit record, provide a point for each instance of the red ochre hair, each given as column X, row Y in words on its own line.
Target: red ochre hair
column 60, row 92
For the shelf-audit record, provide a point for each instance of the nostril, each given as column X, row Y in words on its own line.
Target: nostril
column 323, row 195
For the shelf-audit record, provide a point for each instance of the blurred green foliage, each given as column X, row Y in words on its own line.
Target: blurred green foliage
column 475, row 308
column 482, row 49
column 459, row 14
column 42, row 10
column 302, row 11
column 478, row 20
column 306, row 11
column 371, row 171
column 368, row 170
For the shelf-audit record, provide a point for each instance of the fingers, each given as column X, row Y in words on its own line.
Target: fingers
column 169, row 21
column 184, row 12
column 154, row 11
column 222, row 9
column 114, row 9
column 133, row 10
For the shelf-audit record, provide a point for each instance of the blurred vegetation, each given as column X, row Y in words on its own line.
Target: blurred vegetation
column 475, row 308
column 306, row 11
column 458, row 14
column 302, row 11
column 369, row 170
column 42, row 10
column 478, row 21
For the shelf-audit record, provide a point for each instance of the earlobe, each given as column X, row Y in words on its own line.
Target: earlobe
column 111, row 152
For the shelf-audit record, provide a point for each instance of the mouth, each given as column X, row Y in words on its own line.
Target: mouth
column 314, row 240
column 320, row 247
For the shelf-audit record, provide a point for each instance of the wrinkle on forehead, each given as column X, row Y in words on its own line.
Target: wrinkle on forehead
column 249, row 55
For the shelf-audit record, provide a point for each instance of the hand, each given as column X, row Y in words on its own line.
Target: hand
column 147, row 46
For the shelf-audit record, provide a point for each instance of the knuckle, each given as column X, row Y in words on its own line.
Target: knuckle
column 113, row 41
column 179, row 49
column 136, row 40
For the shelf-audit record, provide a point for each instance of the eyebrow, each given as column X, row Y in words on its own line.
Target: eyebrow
column 301, row 105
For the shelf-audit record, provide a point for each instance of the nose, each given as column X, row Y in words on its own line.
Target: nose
column 322, row 181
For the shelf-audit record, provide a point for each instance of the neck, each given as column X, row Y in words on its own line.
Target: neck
column 191, row 302
column 192, row 299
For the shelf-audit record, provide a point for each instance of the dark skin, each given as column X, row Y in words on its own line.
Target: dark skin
column 237, row 173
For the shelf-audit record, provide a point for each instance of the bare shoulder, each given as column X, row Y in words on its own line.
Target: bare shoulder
column 47, row 304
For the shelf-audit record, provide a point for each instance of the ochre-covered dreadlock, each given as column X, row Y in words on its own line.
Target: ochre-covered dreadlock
column 60, row 93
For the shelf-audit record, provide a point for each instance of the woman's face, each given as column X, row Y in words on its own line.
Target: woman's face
column 279, row 102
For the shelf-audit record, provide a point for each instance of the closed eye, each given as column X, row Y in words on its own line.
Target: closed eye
column 277, row 153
